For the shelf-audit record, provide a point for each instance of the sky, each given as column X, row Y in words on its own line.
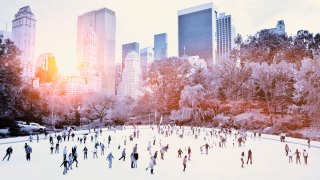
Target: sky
column 139, row 20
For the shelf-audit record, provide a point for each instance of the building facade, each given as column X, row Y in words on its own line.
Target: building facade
column 24, row 35
column 89, row 64
column 46, row 68
column 280, row 29
column 126, row 48
column 130, row 81
column 103, row 22
column 197, row 32
column 160, row 43
column 225, row 37
column 74, row 85
column 146, row 58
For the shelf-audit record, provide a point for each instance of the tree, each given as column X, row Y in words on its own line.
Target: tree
column 10, row 80
column 98, row 106
column 166, row 79
column 307, row 89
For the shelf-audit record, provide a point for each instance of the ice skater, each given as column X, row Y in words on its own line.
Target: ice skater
column 290, row 154
column 65, row 164
column 65, row 152
column 189, row 153
column 242, row 159
column 184, row 162
column 85, row 152
column 305, row 157
column 151, row 165
column 109, row 158
column 180, row 153
column 8, row 153
column 297, row 153
column 123, row 155
column 28, row 153
column 249, row 156
column 95, row 154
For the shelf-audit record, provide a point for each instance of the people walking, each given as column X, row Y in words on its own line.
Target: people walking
column 8, row 153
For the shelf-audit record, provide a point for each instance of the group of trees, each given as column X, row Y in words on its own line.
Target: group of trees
column 281, row 71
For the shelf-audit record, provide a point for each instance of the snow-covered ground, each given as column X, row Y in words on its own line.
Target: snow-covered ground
column 269, row 160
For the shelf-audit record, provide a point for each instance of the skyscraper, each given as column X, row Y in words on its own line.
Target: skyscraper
column 126, row 48
column 146, row 58
column 46, row 68
column 197, row 32
column 130, row 80
column 103, row 22
column 23, row 35
column 88, row 66
column 160, row 46
column 225, row 36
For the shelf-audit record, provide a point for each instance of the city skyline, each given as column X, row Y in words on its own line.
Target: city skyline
column 250, row 17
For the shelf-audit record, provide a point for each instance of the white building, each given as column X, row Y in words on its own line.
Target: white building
column 130, row 83
column 225, row 37
column 146, row 59
column 74, row 85
column 89, row 65
column 104, row 25
column 23, row 35
column 280, row 29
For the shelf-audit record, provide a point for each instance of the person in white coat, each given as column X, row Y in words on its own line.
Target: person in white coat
column 151, row 165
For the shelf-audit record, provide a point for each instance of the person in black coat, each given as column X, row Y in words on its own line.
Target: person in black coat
column 249, row 156
column 8, row 153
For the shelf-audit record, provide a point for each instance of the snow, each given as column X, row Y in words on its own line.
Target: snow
column 269, row 160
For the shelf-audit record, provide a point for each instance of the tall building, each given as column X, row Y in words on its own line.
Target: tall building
column 103, row 22
column 74, row 85
column 118, row 75
column 280, row 29
column 126, row 48
column 23, row 35
column 160, row 46
column 146, row 58
column 46, row 68
column 130, row 81
column 225, row 36
column 89, row 65
column 197, row 32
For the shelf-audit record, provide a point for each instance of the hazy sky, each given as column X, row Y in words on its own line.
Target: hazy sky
column 139, row 20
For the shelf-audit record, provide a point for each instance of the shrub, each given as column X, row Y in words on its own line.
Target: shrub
column 295, row 135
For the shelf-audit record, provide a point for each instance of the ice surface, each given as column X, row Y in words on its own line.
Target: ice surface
column 269, row 160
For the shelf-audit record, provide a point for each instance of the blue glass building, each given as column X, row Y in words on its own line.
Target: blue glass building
column 197, row 32
column 160, row 46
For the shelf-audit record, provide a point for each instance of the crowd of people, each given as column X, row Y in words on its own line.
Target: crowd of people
column 211, row 138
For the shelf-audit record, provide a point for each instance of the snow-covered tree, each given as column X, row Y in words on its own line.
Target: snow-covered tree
column 98, row 106
column 10, row 79
column 307, row 88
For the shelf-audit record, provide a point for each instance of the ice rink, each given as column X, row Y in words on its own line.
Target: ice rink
column 269, row 160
